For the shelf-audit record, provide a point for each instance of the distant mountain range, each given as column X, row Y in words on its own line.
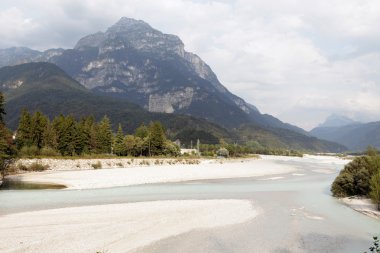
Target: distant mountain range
column 134, row 74
column 354, row 135
column 335, row 120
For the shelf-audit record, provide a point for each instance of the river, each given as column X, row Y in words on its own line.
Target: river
column 297, row 212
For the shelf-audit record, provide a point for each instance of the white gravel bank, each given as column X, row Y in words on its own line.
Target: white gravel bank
column 115, row 228
column 103, row 178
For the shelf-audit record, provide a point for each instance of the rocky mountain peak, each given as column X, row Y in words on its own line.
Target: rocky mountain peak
column 127, row 24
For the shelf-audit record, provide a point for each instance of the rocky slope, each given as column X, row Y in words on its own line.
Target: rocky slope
column 45, row 87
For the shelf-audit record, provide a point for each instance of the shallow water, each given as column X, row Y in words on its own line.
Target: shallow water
column 297, row 213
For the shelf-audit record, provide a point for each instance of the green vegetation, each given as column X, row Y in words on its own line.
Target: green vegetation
column 37, row 135
column 7, row 150
column 360, row 177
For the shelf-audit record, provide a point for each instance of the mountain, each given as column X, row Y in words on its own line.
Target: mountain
column 133, row 61
column 356, row 137
column 335, row 120
column 135, row 73
column 45, row 87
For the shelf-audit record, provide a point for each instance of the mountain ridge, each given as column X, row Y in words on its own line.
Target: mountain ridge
column 45, row 87
column 356, row 137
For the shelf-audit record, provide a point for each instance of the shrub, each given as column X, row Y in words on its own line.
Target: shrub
column 355, row 178
column 35, row 166
column 375, row 189
column 222, row 152
column 97, row 165
column 47, row 151
column 29, row 151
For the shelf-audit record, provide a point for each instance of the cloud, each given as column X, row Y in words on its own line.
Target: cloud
column 297, row 60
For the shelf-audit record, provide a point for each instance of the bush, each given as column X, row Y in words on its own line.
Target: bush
column 46, row 151
column 222, row 152
column 97, row 165
column 29, row 151
column 35, row 166
column 375, row 189
column 355, row 178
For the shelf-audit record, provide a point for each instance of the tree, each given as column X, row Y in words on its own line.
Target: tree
column 6, row 142
column 156, row 138
column 118, row 146
column 171, row 149
column 49, row 137
column 38, row 126
column 66, row 132
column 104, row 136
column 142, row 131
column 375, row 189
column 24, row 131
column 130, row 145
column 7, row 151
column 2, row 110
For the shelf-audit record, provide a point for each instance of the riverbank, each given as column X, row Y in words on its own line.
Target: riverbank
column 116, row 227
column 362, row 205
column 81, row 178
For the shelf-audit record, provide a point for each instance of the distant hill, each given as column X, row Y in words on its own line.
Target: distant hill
column 45, row 87
column 356, row 137
column 281, row 138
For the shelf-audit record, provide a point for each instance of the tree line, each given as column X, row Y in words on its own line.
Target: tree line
column 64, row 135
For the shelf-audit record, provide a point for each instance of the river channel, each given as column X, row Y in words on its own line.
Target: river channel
column 296, row 211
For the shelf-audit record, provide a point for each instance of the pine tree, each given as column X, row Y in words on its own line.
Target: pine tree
column 104, row 136
column 24, row 131
column 38, row 126
column 65, row 128
column 49, row 136
column 156, row 138
column 119, row 147
column 6, row 142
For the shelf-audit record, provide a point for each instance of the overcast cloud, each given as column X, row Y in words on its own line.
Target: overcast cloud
column 297, row 60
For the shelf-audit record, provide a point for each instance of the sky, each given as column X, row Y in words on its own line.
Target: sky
column 297, row 60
